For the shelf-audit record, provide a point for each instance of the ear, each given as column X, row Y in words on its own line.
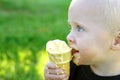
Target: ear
column 116, row 42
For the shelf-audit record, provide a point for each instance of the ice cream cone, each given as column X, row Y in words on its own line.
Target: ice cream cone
column 59, row 54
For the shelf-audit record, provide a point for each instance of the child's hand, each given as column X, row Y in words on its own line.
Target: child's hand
column 52, row 72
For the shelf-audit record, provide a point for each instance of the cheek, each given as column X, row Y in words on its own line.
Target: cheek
column 88, row 53
column 85, row 43
column 88, row 50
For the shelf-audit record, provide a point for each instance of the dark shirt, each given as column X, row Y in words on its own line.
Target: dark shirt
column 85, row 73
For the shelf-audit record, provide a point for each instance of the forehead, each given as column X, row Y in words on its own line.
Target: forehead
column 88, row 11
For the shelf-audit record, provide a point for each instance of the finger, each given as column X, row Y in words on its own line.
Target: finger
column 51, row 65
column 66, row 78
column 56, row 77
column 58, row 71
column 53, row 70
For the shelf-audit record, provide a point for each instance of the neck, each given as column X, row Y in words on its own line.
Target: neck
column 107, row 68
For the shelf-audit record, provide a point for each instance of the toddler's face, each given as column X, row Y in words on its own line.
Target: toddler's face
column 88, row 38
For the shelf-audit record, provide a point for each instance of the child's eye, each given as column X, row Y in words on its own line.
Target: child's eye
column 79, row 28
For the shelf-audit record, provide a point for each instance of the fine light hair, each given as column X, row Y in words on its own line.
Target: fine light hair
column 113, row 15
column 106, row 12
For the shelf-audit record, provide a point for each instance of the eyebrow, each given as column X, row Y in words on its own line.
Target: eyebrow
column 75, row 23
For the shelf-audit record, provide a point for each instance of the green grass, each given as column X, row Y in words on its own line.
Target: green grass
column 25, row 27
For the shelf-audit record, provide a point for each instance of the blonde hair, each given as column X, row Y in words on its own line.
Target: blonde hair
column 106, row 12
column 113, row 13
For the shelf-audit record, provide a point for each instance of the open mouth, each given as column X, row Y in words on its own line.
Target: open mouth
column 74, row 51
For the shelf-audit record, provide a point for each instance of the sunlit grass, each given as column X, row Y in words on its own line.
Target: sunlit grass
column 42, row 60
column 25, row 59
column 9, row 69
column 6, row 66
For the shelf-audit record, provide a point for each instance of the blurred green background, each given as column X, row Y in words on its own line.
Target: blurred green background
column 25, row 27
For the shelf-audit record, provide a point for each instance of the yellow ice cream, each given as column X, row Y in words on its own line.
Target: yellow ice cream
column 59, row 53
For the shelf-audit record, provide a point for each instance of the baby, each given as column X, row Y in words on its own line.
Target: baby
column 95, row 42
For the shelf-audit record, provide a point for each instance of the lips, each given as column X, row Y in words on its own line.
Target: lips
column 74, row 51
column 75, row 56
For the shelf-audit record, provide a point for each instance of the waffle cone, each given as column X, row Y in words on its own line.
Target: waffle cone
column 59, row 54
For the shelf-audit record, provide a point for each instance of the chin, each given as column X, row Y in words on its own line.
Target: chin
column 79, row 62
column 76, row 59
column 76, row 62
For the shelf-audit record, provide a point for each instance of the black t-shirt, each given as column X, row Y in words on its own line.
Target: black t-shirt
column 84, row 73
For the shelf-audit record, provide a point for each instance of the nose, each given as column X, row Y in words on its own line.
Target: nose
column 70, row 38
